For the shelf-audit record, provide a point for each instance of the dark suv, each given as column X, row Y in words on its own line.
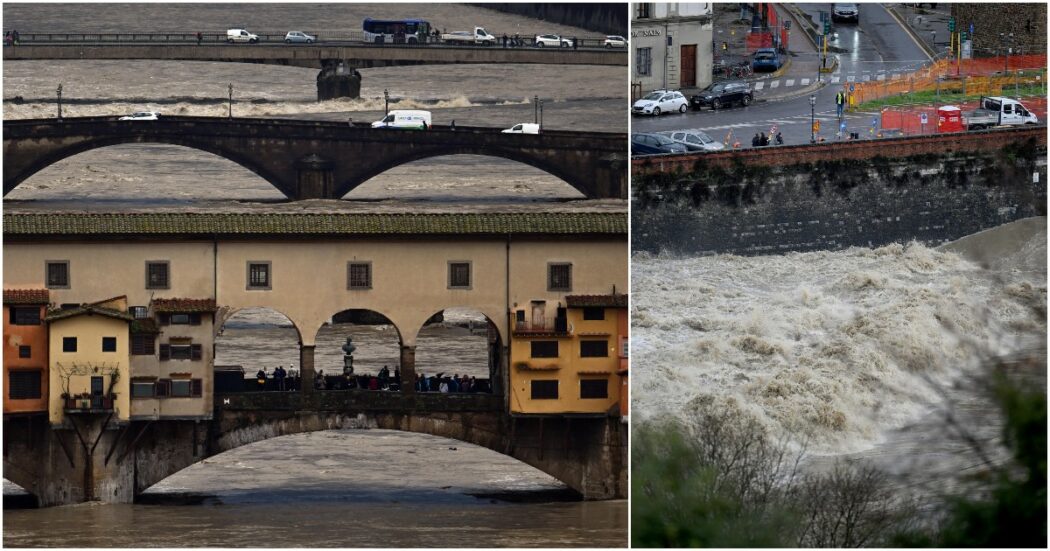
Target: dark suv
column 723, row 94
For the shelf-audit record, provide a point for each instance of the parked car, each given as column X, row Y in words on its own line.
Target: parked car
column 661, row 101
column 695, row 140
column 845, row 12
column 552, row 40
column 241, row 35
column 613, row 41
column 523, row 128
column 766, row 59
column 654, row 144
column 142, row 116
column 405, row 118
column 298, row 36
column 723, row 94
column 999, row 111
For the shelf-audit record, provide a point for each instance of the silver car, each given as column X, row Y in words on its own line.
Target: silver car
column 298, row 36
column 695, row 140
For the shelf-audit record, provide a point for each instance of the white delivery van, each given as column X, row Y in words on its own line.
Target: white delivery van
column 404, row 118
column 523, row 128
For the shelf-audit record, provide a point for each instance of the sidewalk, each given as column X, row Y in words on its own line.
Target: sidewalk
column 930, row 27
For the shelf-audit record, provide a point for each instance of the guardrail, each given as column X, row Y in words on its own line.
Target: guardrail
column 274, row 38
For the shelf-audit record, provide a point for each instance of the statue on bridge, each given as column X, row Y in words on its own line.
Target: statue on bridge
column 348, row 357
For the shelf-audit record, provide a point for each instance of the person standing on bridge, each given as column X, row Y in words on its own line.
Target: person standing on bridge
column 840, row 102
column 574, row 43
column 261, row 379
column 200, row 38
column 504, row 40
column 452, row 125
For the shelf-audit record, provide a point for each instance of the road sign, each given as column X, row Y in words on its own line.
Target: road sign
column 816, row 126
column 923, row 119
column 852, row 87
column 971, row 29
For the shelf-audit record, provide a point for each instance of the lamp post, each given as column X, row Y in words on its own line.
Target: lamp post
column 812, row 118
column 536, row 109
column 541, row 115
column 59, row 91
column 386, row 102
column 229, row 112
column 1006, row 41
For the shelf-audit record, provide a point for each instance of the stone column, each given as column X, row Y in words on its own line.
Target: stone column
column 306, row 367
column 337, row 79
column 315, row 179
column 408, row 369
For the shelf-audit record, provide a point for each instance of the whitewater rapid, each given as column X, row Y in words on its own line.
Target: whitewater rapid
column 834, row 349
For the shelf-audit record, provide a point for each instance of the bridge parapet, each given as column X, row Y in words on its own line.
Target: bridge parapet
column 349, row 401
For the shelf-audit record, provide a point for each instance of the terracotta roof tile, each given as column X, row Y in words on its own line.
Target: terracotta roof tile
column 55, row 315
column 184, row 305
column 26, row 296
column 246, row 224
column 606, row 301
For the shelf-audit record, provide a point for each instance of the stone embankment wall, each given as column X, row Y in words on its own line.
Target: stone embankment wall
column 752, row 209
column 1026, row 21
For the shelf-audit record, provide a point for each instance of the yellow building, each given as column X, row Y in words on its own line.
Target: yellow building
column 570, row 363
column 89, row 360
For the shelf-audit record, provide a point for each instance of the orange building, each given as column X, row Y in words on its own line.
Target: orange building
column 25, row 351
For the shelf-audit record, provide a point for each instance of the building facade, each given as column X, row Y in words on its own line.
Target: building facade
column 569, row 356
column 671, row 46
column 25, row 351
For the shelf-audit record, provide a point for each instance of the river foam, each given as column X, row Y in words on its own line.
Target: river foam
column 837, row 348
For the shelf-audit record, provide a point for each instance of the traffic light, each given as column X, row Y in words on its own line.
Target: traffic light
column 951, row 25
column 827, row 27
column 964, row 36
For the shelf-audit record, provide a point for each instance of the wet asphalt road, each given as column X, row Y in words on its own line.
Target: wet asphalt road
column 877, row 44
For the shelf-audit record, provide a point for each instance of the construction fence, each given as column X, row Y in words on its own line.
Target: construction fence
column 908, row 120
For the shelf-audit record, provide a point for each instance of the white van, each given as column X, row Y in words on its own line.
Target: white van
column 523, row 128
column 404, row 118
column 241, row 35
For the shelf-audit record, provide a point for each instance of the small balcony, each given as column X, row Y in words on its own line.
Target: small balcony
column 89, row 404
column 558, row 327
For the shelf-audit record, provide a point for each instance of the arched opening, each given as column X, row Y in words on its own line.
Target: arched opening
column 470, row 178
column 254, row 340
column 17, row 497
column 139, row 174
column 373, row 362
column 458, row 350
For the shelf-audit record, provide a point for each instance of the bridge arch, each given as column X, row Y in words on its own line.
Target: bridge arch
column 411, row 154
column 38, row 163
column 483, row 358
column 378, row 340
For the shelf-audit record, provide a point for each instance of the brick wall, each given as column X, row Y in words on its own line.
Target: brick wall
column 1026, row 21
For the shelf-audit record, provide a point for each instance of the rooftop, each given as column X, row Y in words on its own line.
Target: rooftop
column 26, row 296
column 327, row 224
column 55, row 315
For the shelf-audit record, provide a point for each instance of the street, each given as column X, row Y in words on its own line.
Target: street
column 877, row 48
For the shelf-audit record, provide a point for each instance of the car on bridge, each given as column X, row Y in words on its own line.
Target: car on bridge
column 406, row 119
column 241, row 35
column 661, row 101
column 523, row 128
column 614, row 41
column 654, row 144
column 543, row 40
column 142, row 116
column 298, row 36
column 723, row 94
column 695, row 140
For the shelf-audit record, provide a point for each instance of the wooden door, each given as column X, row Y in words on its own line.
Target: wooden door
column 688, row 65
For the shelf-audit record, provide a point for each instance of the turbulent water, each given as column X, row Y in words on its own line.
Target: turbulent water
column 346, row 488
column 850, row 351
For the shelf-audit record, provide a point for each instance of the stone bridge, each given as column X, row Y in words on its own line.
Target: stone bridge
column 320, row 159
column 92, row 460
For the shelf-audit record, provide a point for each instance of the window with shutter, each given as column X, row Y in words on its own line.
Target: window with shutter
column 24, row 385
column 359, row 275
column 459, row 275
column 594, row 349
column 196, row 387
column 25, row 351
column 195, row 352
column 163, row 387
column 559, row 276
column 163, row 319
column 142, row 344
column 157, row 275
column 165, row 352
column 594, row 389
column 544, row 349
column 25, row 315
column 195, row 318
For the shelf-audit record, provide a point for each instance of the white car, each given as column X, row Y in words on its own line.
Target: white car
column 241, row 35
column 298, row 36
column 142, row 116
column 523, row 128
column 615, row 42
column 552, row 40
column 661, row 101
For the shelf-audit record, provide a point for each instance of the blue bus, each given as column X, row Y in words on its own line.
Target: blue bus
column 399, row 31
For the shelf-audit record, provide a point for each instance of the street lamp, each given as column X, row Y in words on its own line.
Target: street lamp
column 386, row 102
column 229, row 112
column 536, row 109
column 1006, row 40
column 59, row 91
column 541, row 115
column 812, row 118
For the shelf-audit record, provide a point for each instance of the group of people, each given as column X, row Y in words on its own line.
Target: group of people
column 283, row 379
column 11, row 38
column 761, row 139
column 383, row 380
column 455, row 383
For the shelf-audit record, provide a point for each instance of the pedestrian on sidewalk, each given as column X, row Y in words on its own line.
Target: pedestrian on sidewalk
column 840, row 102
column 756, row 141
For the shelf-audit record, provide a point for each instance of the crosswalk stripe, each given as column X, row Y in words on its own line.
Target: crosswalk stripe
column 834, row 80
column 867, row 78
column 759, row 85
column 880, row 77
column 805, row 81
column 790, row 82
column 896, row 76
column 774, row 84
column 851, row 78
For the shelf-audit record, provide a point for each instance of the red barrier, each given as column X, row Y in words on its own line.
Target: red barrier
column 907, row 120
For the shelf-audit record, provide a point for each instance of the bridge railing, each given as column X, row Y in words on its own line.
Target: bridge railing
column 270, row 37
column 357, row 400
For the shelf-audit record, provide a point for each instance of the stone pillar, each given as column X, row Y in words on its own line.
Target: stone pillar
column 612, row 178
column 408, row 369
column 337, row 79
column 315, row 179
column 306, row 367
